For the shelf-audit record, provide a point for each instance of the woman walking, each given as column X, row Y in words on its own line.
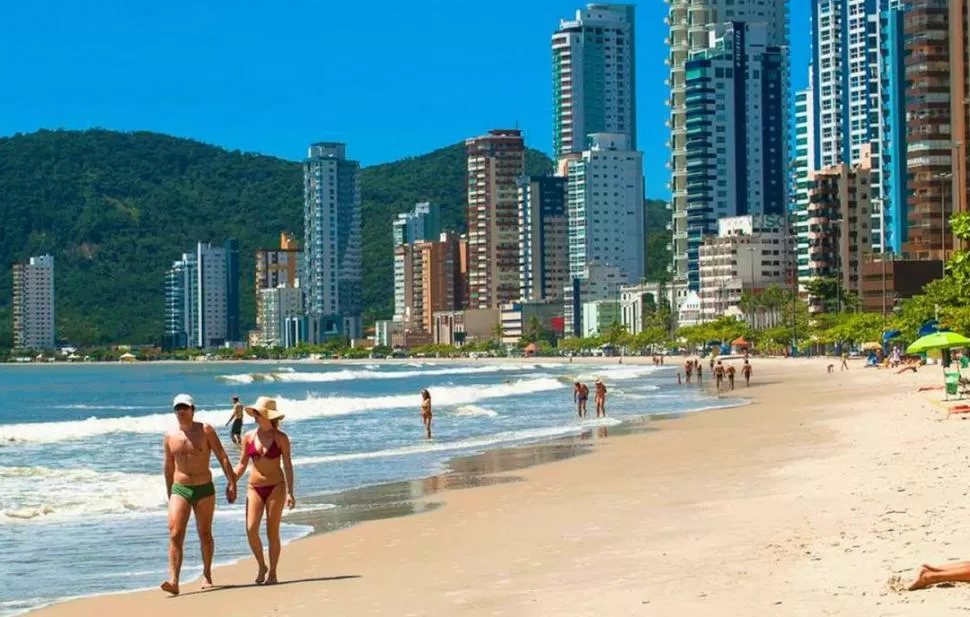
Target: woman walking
column 426, row 411
column 269, row 489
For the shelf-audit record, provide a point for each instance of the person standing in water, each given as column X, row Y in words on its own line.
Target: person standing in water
column 580, row 396
column 426, row 411
column 270, row 483
column 746, row 371
column 718, row 375
column 730, row 375
column 600, row 398
column 237, row 421
column 688, row 369
column 188, row 483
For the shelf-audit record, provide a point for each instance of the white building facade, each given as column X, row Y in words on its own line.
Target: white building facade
column 605, row 205
column 638, row 301
column 33, row 304
column 211, row 296
column 594, row 77
column 283, row 324
column 750, row 253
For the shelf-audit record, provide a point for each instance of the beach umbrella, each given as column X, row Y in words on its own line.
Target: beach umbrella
column 938, row 340
column 871, row 346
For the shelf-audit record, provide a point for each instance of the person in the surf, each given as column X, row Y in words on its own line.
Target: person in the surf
column 426, row 411
column 580, row 396
column 718, row 375
column 600, row 398
column 746, row 371
column 235, row 433
column 688, row 369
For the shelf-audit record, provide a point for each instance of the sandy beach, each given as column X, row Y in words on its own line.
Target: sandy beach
column 819, row 498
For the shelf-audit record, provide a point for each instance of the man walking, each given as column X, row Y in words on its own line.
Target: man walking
column 188, row 482
column 235, row 433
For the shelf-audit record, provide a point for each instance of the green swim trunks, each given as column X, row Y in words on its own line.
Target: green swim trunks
column 193, row 494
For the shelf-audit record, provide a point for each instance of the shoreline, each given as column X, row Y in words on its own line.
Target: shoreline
column 812, row 495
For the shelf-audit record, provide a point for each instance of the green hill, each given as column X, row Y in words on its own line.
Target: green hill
column 115, row 209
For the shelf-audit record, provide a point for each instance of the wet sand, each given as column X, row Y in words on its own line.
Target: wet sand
column 819, row 498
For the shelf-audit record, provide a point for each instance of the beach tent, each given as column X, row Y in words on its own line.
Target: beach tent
column 127, row 357
column 740, row 342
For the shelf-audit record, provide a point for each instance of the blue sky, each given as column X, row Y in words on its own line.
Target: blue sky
column 390, row 78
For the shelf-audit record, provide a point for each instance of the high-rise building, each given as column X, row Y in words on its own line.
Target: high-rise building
column 276, row 268
column 594, row 77
column 891, row 128
column 802, row 170
column 690, row 25
column 495, row 162
column 33, row 304
column 839, row 219
column 736, row 133
column 543, row 238
column 421, row 223
column 332, row 248
column 181, row 303
column 200, row 310
column 936, row 123
column 282, row 324
column 605, row 208
column 431, row 281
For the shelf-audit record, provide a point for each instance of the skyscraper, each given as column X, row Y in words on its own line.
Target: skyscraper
column 200, row 310
column 736, row 133
column 213, row 295
column 892, row 127
column 802, row 172
column 233, row 329
column 605, row 208
column 181, row 303
column 495, row 163
column 691, row 23
column 594, row 77
column 420, row 224
column 277, row 268
column 543, row 238
column 33, row 304
column 334, row 270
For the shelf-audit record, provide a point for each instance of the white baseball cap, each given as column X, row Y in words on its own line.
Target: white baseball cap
column 183, row 399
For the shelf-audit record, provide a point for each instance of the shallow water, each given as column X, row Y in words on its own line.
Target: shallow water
column 82, row 506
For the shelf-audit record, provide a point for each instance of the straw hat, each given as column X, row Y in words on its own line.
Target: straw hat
column 266, row 407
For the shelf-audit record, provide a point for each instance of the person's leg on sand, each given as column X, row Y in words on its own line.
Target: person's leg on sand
column 204, row 510
column 274, row 516
column 254, row 516
column 933, row 575
column 178, row 519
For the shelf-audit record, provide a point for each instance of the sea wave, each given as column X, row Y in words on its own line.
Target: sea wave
column 32, row 493
column 295, row 410
column 474, row 443
column 475, row 411
column 369, row 373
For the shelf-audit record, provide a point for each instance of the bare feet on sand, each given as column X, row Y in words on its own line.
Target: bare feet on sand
column 271, row 579
column 171, row 588
column 922, row 579
column 261, row 578
column 207, row 580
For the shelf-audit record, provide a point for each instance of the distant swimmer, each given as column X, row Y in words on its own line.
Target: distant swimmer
column 270, row 483
column 426, row 411
column 746, row 371
column 580, row 396
column 718, row 375
column 688, row 370
column 236, row 419
column 730, row 375
column 600, row 398
column 188, row 483
column 700, row 373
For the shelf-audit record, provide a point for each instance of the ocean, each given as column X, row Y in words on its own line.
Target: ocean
column 82, row 498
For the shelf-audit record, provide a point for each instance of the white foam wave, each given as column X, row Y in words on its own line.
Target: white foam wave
column 475, row 410
column 295, row 410
column 369, row 373
column 105, row 407
column 35, row 493
column 475, row 443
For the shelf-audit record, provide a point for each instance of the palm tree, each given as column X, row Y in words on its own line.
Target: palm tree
column 534, row 330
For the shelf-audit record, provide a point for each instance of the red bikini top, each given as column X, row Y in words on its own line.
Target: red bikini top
column 271, row 452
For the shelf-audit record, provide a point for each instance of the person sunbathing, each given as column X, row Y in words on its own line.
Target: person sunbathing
column 934, row 575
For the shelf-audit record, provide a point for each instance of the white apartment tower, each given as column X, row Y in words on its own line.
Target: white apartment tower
column 33, row 303
column 604, row 189
column 332, row 248
column 594, row 77
column 211, row 296
column 690, row 25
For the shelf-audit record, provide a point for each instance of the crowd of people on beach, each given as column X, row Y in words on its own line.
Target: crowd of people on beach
column 724, row 374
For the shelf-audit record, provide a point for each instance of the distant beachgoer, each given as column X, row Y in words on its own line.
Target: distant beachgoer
column 688, row 370
column 718, row 375
column 600, row 398
column 188, row 483
column 580, row 396
column 730, row 375
column 934, row 575
column 700, row 374
column 746, row 371
column 713, row 358
column 845, row 361
column 269, row 489
column 661, row 360
column 678, row 378
column 426, row 411
column 237, row 421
